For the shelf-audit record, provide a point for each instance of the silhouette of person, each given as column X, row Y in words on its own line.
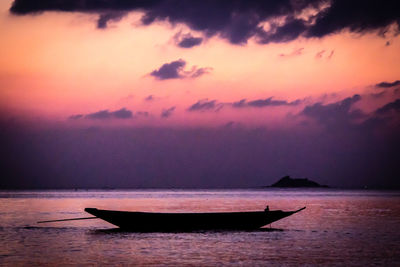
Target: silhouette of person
column 266, row 209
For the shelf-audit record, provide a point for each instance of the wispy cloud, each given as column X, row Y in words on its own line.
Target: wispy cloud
column 167, row 112
column 331, row 54
column 295, row 52
column 206, row 105
column 149, row 98
column 319, row 54
column 260, row 103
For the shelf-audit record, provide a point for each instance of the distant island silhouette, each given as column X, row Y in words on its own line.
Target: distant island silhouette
column 288, row 182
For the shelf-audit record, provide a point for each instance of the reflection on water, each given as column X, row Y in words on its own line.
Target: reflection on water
column 337, row 228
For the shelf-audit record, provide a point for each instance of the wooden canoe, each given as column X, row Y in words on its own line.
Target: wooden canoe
column 176, row 222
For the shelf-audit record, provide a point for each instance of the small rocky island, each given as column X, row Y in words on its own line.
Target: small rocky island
column 288, row 182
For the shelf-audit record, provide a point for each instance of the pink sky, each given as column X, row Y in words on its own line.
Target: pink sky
column 54, row 65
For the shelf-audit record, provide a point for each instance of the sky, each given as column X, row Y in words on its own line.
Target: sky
column 174, row 93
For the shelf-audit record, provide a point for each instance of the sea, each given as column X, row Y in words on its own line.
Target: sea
column 337, row 228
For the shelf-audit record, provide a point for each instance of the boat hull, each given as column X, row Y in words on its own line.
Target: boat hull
column 176, row 222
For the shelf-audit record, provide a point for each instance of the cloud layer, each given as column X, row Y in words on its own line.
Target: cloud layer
column 215, row 105
column 350, row 148
column 239, row 20
column 335, row 114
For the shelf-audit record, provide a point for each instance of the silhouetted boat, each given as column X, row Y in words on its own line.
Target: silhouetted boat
column 175, row 222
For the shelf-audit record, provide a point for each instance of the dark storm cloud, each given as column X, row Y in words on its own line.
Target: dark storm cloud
column 260, row 103
column 206, row 105
column 104, row 18
column 358, row 16
column 23, row 7
column 174, row 70
column 388, row 84
column 167, row 112
column 392, row 106
column 291, row 30
column 239, row 20
column 122, row 113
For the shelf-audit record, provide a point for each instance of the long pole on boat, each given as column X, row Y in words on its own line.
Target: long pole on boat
column 72, row 219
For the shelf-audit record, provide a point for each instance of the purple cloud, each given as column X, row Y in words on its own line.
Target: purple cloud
column 122, row 113
column 392, row 106
column 174, row 70
column 260, row 103
column 149, row 98
column 167, row 112
column 206, row 105
column 388, row 84
column 75, row 117
column 170, row 70
column 187, row 40
column 335, row 114
column 101, row 115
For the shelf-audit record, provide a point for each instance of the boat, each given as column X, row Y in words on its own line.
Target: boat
column 180, row 222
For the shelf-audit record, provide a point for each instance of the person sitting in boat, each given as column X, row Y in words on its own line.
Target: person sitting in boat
column 266, row 209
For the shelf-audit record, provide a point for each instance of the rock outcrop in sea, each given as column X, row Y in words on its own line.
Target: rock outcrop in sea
column 287, row 182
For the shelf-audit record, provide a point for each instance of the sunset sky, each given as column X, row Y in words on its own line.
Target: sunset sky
column 174, row 93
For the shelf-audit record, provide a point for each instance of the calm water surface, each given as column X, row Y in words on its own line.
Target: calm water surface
column 337, row 228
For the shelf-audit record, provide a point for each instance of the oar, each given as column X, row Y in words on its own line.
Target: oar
column 299, row 210
column 73, row 219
